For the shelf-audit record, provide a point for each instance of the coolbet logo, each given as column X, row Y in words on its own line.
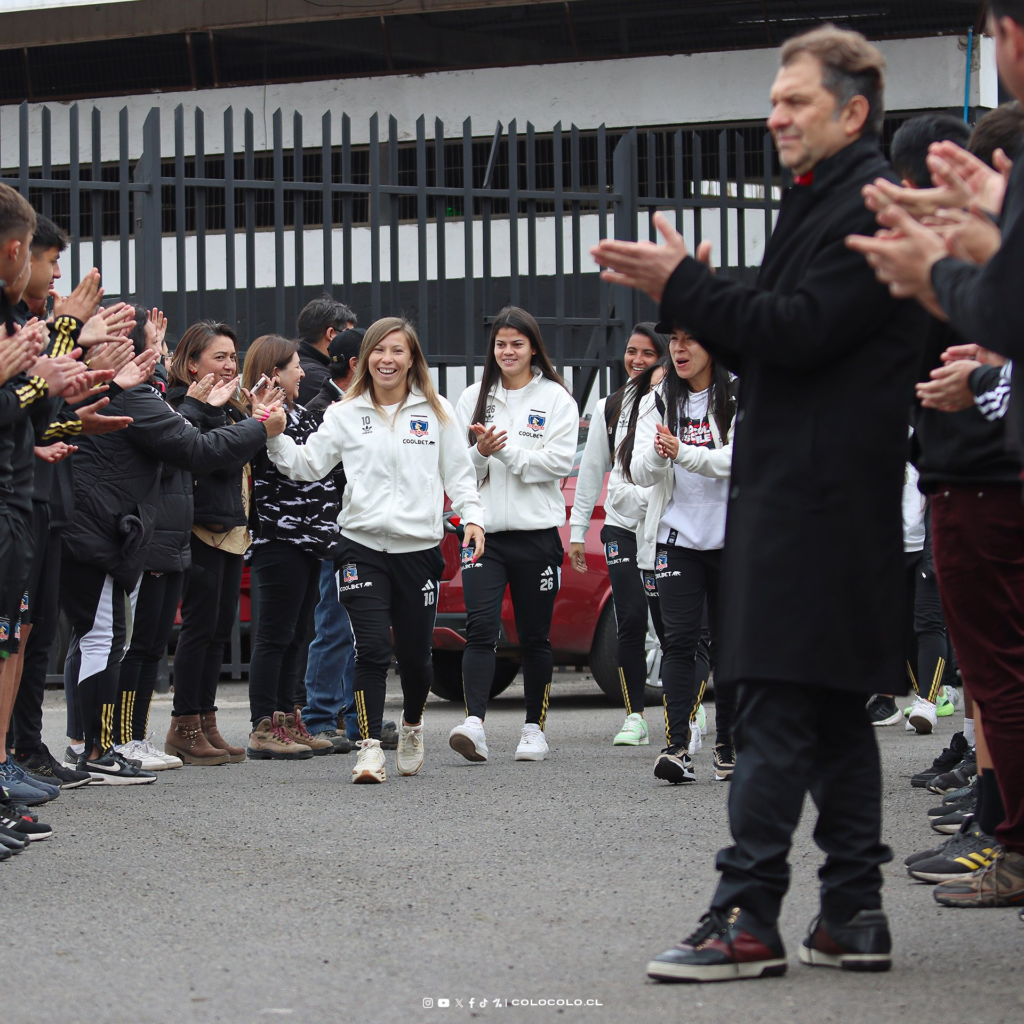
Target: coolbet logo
column 418, row 427
column 349, row 574
column 536, row 420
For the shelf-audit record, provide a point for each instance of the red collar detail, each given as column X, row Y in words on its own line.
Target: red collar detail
column 804, row 179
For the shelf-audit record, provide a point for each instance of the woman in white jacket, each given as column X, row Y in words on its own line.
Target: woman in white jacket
column 683, row 452
column 402, row 449
column 613, row 422
column 523, row 426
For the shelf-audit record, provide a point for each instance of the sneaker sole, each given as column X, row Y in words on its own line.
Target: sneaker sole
column 76, row 783
column 631, row 742
column 464, row 745
column 972, row 901
column 946, row 830
column 118, row 780
column 408, row 771
column 938, row 876
column 38, row 835
column 922, row 726
column 893, row 719
column 670, row 772
column 720, row 777
column 273, row 755
column 530, row 756
column 726, row 972
column 369, row 776
column 186, row 758
column 845, row 961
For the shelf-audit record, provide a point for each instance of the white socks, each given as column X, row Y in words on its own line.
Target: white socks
column 969, row 730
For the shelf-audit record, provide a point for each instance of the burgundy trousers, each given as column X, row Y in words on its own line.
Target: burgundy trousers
column 978, row 538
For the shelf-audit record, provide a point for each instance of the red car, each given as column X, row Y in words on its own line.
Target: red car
column 582, row 625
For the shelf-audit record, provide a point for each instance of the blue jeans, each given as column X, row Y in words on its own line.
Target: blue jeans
column 331, row 663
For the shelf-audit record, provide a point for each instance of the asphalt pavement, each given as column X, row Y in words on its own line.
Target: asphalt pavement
column 269, row 890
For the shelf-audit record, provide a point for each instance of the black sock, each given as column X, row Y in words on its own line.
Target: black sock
column 989, row 813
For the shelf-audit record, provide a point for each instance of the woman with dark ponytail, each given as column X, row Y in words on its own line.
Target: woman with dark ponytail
column 683, row 452
column 522, row 424
column 609, row 446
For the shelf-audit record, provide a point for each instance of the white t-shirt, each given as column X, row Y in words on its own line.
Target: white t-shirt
column 913, row 512
column 695, row 516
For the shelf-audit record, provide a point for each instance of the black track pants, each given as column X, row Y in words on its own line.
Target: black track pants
column 792, row 739
column 100, row 614
column 385, row 592
column 925, row 629
column 529, row 563
column 209, row 607
column 630, row 614
column 686, row 579
column 155, row 609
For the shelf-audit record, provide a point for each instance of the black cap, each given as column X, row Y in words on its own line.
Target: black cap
column 666, row 327
column 345, row 346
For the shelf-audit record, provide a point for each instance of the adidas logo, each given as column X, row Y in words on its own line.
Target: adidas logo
column 548, row 572
column 428, row 587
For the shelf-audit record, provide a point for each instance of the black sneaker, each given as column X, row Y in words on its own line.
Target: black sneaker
column 725, row 947
column 389, row 735
column 674, row 765
column 71, row 759
column 969, row 850
column 12, row 841
column 341, row 743
column 950, row 824
column 966, row 770
column 862, row 944
column 946, row 761
column 22, row 827
column 958, row 794
column 925, row 854
column 882, row 710
column 725, row 761
column 114, row 770
column 43, row 764
column 965, row 803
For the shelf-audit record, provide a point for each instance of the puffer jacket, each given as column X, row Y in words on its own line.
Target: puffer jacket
column 117, row 477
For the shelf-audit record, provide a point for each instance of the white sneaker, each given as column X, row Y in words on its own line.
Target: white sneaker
column 532, row 745
column 696, row 738
column 135, row 752
column 409, row 755
column 922, row 718
column 468, row 739
column 369, row 766
column 149, row 748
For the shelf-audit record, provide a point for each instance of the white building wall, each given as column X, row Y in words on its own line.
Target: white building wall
column 684, row 89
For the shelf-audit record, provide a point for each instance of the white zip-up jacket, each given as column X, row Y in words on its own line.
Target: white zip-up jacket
column 649, row 469
column 397, row 472
column 520, row 485
column 625, row 503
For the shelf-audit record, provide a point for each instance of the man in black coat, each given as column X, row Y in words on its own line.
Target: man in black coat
column 320, row 322
column 812, row 578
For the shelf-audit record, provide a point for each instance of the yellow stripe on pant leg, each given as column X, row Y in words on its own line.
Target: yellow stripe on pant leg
column 668, row 731
column 936, row 687
column 361, row 719
column 544, row 707
column 913, row 679
column 700, row 699
column 625, row 691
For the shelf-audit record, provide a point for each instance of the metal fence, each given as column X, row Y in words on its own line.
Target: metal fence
column 515, row 211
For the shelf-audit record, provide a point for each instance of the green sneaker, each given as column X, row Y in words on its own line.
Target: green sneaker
column 702, row 720
column 633, row 732
column 948, row 700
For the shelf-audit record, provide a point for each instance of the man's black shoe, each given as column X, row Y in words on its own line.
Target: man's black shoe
column 389, row 735
column 965, row 803
column 862, row 944
column 114, row 770
column 947, row 760
column 966, row 770
column 44, row 765
column 725, row 947
column 674, row 765
column 22, row 827
column 11, row 841
column 882, row 710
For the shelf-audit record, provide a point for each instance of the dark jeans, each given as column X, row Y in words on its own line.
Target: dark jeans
column 287, row 582
column 792, row 739
column 155, row 609
column 925, row 629
column 687, row 582
column 978, row 537
column 99, row 611
column 630, row 606
column 385, row 593
column 529, row 563
column 209, row 607
column 27, row 718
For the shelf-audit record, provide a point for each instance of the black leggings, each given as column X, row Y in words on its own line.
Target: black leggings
column 286, row 585
column 100, row 614
column 155, row 609
column 209, row 607
column 385, row 593
column 927, row 647
column 687, row 583
column 529, row 563
column 630, row 605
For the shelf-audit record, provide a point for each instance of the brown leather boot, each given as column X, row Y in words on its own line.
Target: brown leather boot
column 212, row 733
column 185, row 739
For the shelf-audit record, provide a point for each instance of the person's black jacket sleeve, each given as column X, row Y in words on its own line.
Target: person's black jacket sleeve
column 158, row 431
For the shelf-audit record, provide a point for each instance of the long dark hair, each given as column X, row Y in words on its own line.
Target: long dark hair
column 633, row 391
column 521, row 321
column 614, row 404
